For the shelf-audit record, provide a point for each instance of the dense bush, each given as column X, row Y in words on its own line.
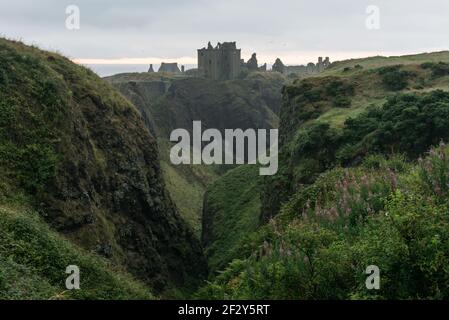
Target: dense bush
column 314, row 149
column 394, row 78
column 310, row 98
column 405, row 124
column 439, row 69
column 341, row 93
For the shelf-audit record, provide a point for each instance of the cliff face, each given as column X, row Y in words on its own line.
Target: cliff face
column 170, row 103
column 175, row 102
column 90, row 166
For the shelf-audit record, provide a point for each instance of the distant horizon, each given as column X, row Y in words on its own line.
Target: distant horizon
column 109, row 67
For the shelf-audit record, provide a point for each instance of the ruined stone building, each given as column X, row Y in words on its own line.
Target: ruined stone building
column 169, row 68
column 310, row 68
column 252, row 63
column 278, row 66
column 321, row 65
column 220, row 63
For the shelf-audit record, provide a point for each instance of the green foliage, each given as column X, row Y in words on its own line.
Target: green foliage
column 29, row 124
column 341, row 92
column 63, row 143
column 433, row 172
column 439, row 69
column 314, row 149
column 405, row 124
column 33, row 260
column 394, row 78
column 409, row 244
column 232, row 210
column 382, row 208
column 386, row 213
column 310, row 98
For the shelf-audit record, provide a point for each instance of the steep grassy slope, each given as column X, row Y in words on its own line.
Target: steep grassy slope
column 81, row 154
column 355, row 188
column 386, row 213
column 230, row 214
column 169, row 102
column 33, row 260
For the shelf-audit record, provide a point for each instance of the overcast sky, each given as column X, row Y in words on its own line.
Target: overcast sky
column 148, row 31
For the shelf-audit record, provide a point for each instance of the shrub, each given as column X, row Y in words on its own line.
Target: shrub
column 439, row 69
column 406, row 123
column 434, row 172
column 340, row 91
column 393, row 78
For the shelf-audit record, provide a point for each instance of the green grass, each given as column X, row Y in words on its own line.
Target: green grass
column 379, row 61
column 232, row 212
column 33, row 260
column 187, row 185
column 369, row 89
column 145, row 76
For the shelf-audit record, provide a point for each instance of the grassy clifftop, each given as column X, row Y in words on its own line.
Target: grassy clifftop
column 381, row 61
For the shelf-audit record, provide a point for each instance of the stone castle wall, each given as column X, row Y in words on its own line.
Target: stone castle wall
column 220, row 63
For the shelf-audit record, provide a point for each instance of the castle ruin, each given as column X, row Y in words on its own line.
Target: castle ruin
column 220, row 63
column 310, row 68
column 169, row 68
column 224, row 62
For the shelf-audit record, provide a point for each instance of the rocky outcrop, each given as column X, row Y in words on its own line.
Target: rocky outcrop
column 168, row 105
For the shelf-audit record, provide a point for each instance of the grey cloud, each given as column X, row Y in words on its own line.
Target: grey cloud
column 141, row 28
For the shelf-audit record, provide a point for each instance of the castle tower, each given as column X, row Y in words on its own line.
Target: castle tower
column 320, row 65
column 221, row 62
